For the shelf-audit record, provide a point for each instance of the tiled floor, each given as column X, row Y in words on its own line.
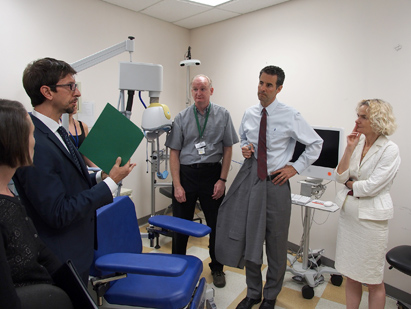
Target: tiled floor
column 327, row 296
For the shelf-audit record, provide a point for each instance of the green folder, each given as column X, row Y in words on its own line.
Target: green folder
column 112, row 136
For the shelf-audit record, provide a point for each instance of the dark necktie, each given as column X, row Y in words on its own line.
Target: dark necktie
column 262, row 148
column 70, row 146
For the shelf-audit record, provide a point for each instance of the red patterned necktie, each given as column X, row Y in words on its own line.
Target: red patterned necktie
column 262, row 148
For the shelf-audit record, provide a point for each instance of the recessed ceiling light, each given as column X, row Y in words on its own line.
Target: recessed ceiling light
column 210, row 2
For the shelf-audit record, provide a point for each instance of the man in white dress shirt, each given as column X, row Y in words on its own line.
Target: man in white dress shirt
column 261, row 190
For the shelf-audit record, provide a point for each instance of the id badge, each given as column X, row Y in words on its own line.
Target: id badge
column 201, row 147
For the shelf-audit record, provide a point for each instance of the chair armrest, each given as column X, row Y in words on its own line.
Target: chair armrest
column 145, row 264
column 179, row 225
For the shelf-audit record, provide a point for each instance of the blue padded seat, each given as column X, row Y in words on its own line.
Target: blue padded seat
column 157, row 291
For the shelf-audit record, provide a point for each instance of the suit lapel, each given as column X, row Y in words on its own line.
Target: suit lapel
column 381, row 141
column 40, row 126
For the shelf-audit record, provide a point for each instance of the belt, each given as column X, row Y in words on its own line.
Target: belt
column 351, row 193
column 200, row 165
column 272, row 176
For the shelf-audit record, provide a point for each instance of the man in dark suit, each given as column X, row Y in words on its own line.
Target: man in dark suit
column 59, row 194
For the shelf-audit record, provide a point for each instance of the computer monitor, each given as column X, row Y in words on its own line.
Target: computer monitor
column 331, row 153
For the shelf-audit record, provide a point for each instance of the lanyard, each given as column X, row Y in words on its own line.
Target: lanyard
column 201, row 132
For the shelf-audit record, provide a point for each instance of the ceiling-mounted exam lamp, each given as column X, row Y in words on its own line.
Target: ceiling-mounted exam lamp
column 187, row 63
column 190, row 62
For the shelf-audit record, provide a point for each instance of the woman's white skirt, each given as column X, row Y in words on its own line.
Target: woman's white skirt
column 361, row 245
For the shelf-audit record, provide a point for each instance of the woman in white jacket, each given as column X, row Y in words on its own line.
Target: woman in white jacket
column 367, row 168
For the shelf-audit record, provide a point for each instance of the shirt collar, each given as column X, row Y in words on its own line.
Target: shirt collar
column 50, row 123
column 205, row 111
column 270, row 108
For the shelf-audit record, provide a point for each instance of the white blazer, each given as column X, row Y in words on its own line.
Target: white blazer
column 373, row 178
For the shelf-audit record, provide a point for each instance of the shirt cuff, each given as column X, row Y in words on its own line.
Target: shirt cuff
column 98, row 176
column 298, row 167
column 109, row 182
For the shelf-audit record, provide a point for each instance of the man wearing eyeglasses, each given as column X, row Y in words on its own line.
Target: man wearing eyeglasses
column 60, row 196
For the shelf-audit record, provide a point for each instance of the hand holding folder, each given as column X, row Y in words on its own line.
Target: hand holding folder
column 112, row 136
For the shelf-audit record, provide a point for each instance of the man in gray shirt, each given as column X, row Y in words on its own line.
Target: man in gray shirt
column 202, row 136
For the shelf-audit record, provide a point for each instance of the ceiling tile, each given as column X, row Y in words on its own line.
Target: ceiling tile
column 171, row 10
column 133, row 4
column 202, row 19
column 191, row 15
column 246, row 6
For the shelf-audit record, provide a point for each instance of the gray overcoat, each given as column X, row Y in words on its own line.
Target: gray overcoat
column 241, row 221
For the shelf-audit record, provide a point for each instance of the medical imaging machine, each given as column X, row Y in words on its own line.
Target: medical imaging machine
column 156, row 118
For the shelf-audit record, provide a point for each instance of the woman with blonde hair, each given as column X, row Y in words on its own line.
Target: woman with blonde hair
column 368, row 167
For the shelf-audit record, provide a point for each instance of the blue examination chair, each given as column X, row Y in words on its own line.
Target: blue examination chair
column 123, row 275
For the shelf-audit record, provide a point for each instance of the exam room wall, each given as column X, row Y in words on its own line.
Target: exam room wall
column 334, row 53
column 72, row 30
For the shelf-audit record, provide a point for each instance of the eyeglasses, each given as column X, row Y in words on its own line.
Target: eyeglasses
column 72, row 87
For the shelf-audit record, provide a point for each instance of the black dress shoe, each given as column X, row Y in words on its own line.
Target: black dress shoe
column 267, row 304
column 248, row 303
column 218, row 278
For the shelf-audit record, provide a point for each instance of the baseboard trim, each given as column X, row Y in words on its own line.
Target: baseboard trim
column 398, row 294
column 144, row 220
